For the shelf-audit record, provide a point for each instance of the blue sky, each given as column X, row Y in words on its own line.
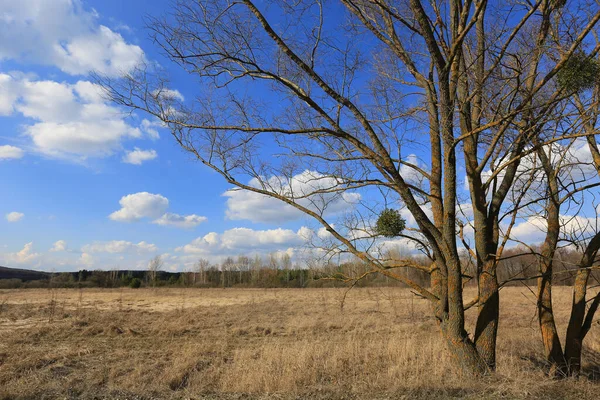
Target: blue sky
column 86, row 185
column 69, row 161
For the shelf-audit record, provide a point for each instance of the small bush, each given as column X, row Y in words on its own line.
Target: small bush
column 135, row 283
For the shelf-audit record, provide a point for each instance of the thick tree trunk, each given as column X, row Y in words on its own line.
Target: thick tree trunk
column 463, row 351
column 580, row 323
column 486, row 329
column 550, row 339
column 552, row 347
column 574, row 342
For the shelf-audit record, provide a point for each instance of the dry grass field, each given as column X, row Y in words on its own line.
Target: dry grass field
column 256, row 343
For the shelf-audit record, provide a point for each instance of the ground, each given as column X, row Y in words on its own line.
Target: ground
column 257, row 343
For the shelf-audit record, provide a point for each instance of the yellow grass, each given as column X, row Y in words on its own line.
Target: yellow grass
column 256, row 343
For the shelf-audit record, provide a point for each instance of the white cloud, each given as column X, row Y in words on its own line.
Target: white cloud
column 533, row 230
column 179, row 221
column 10, row 152
column 138, row 156
column 149, row 128
column 402, row 245
column 86, row 260
column 118, row 247
column 243, row 240
column 8, row 94
column 24, row 256
column 255, row 207
column 59, row 245
column 73, row 120
column 409, row 173
column 169, row 95
column 140, row 205
column 70, row 121
column 63, row 34
column 147, row 205
column 14, row 216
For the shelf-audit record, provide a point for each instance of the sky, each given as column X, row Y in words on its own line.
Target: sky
column 88, row 185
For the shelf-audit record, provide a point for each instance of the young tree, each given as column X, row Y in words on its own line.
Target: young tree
column 361, row 104
column 154, row 267
column 201, row 267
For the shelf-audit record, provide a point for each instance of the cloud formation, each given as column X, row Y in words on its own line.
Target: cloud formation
column 179, row 221
column 14, row 216
column 243, row 240
column 62, row 33
column 138, row 156
column 119, row 247
column 59, row 245
column 140, row 205
column 255, row 207
column 24, row 256
column 76, row 124
column 10, row 152
column 137, row 206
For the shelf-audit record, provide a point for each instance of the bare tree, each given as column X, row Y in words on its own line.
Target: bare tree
column 201, row 267
column 154, row 267
column 366, row 105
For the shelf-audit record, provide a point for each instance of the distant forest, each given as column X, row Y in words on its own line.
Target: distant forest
column 517, row 268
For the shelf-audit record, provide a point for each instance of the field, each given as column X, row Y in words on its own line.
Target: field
column 257, row 343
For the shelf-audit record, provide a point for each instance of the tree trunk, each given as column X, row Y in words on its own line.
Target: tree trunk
column 552, row 346
column 574, row 342
column 486, row 329
column 462, row 350
column 580, row 323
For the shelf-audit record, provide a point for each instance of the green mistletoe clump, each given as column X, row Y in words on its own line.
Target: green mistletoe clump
column 579, row 73
column 389, row 223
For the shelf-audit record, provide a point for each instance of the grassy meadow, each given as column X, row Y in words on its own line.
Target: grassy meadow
column 262, row 343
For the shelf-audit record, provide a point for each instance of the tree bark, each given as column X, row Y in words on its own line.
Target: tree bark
column 486, row 329
column 462, row 350
column 552, row 346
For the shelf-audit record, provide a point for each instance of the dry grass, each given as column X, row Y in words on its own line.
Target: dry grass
column 191, row 343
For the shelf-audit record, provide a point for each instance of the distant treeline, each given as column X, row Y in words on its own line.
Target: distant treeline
column 211, row 278
column 518, row 267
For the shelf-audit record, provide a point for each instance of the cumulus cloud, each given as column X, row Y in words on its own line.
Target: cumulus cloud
column 14, row 216
column 25, row 256
column 64, row 34
column 402, row 245
column 77, row 123
column 140, row 205
column 255, row 207
column 59, row 245
column 138, row 156
column 8, row 94
column 71, row 121
column 10, row 152
column 119, row 246
column 241, row 240
column 149, row 128
column 86, row 259
column 179, row 221
column 533, row 229
column 147, row 205
column 408, row 172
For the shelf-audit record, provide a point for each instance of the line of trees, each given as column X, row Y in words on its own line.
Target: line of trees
column 519, row 268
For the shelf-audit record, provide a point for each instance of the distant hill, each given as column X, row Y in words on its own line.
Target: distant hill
column 23, row 274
